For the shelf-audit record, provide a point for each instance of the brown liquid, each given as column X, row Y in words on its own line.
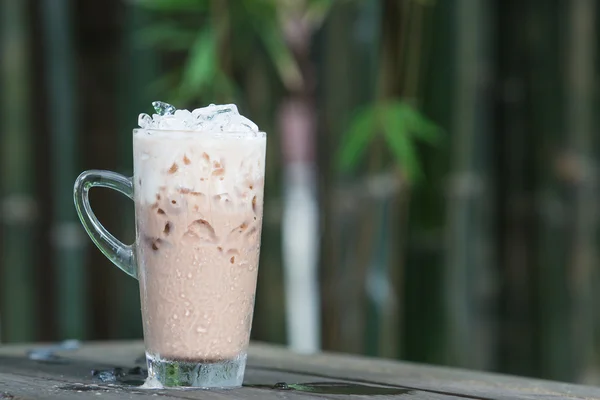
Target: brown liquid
column 198, row 227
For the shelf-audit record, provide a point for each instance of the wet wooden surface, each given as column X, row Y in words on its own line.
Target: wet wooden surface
column 323, row 376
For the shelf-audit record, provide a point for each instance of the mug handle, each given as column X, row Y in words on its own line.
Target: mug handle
column 122, row 255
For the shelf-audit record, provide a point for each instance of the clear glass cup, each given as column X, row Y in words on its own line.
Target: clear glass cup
column 198, row 208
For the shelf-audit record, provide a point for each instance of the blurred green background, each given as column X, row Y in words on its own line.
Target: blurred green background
column 450, row 148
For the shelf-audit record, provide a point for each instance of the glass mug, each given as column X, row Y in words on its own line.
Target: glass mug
column 198, row 210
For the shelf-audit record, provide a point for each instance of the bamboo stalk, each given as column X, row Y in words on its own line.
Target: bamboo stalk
column 466, row 267
column 423, row 330
column 343, row 316
column 551, row 331
column 67, row 235
column 581, row 140
column 18, row 220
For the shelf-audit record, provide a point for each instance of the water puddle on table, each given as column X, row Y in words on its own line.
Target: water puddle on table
column 112, row 378
column 126, row 376
column 47, row 354
column 133, row 378
column 335, row 388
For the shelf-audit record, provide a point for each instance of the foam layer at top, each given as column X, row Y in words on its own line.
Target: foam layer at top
column 212, row 118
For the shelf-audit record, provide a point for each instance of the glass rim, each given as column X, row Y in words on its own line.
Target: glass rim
column 176, row 131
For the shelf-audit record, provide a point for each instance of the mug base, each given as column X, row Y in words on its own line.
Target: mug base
column 205, row 374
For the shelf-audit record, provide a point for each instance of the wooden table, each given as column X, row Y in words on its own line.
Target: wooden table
column 323, row 376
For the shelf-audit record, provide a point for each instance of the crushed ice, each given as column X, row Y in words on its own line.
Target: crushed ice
column 163, row 108
column 212, row 118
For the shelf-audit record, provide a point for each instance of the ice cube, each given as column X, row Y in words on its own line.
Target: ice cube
column 163, row 108
column 170, row 122
column 240, row 124
column 199, row 114
column 185, row 117
column 183, row 114
column 221, row 111
column 220, row 118
column 213, row 111
column 145, row 121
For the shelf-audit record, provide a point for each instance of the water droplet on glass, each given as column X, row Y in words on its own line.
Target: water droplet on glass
column 229, row 340
column 182, row 295
column 189, row 275
column 144, row 156
column 201, row 329
column 163, row 108
column 175, row 316
column 187, row 313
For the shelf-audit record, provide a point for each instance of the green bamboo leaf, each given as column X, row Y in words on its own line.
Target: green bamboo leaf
column 167, row 35
column 359, row 134
column 395, row 130
column 281, row 56
column 416, row 123
column 263, row 15
column 201, row 65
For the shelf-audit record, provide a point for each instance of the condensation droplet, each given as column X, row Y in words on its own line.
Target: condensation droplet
column 175, row 316
column 189, row 275
column 182, row 295
column 187, row 313
column 201, row 329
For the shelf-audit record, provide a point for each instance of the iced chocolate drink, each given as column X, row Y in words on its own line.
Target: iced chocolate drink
column 198, row 200
column 198, row 191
